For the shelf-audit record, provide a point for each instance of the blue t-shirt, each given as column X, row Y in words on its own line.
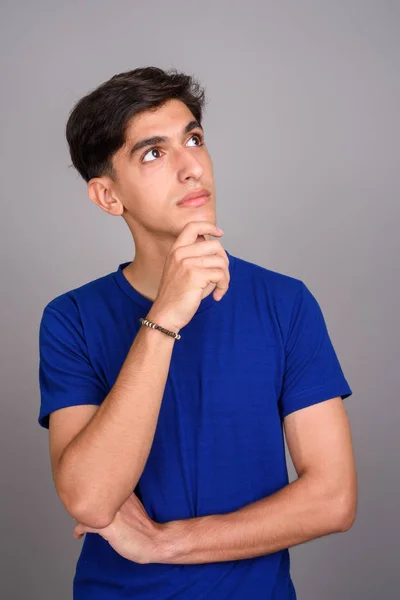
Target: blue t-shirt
column 241, row 365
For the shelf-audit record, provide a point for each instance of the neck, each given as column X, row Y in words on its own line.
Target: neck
column 144, row 273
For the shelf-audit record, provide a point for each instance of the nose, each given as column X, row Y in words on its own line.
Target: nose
column 188, row 165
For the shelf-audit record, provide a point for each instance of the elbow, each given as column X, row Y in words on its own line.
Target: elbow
column 91, row 517
column 345, row 512
column 348, row 519
column 86, row 512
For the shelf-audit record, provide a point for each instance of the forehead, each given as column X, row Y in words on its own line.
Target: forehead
column 168, row 119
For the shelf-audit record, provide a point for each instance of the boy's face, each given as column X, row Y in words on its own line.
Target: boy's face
column 151, row 180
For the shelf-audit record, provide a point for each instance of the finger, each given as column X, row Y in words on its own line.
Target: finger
column 214, row 263
column 192, row 230
column 205, row 248
column 80, row 530
column 208, row 254
column 219, row 277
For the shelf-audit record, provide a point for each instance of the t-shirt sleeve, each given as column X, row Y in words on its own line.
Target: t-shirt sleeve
column 312, row 370
column 66, row 375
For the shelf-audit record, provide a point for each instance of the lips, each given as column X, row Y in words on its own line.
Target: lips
column 193, row 195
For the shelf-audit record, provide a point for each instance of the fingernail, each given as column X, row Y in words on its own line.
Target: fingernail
column 220, row 230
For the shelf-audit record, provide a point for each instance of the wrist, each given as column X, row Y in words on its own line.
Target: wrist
column 160, row 317
column 172, row 540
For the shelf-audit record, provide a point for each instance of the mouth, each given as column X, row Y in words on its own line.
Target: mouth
column 195, row 198
column 193, row 202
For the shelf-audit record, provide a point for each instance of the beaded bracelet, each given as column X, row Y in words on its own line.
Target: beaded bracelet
column 155, row 326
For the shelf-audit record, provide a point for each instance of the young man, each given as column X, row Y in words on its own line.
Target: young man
column 169, row 451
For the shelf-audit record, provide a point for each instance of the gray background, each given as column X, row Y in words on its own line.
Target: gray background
column 302, row 123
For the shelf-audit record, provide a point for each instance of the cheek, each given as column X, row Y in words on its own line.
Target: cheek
column 148, row 196
column 154, row 177
column 142, row 187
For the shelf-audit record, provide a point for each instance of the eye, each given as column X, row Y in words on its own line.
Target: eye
column 199, row 137
column 149, row 152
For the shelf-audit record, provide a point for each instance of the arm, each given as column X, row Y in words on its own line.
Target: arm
column 320, row 502
column 98, row 469
column 98, row 457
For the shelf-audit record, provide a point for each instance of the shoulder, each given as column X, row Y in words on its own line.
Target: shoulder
column 76, row 311
column 73, row 301
column 276, row 285
column 277, row 296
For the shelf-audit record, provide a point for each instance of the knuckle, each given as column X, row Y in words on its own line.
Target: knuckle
column 185, row 262
column 216, row 244
column 194, row 275
column 193, row 224
column 176, row 254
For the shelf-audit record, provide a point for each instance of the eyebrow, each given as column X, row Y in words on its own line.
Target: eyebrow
column 158, row 139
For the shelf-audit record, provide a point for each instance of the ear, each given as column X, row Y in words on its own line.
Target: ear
column 101, row 192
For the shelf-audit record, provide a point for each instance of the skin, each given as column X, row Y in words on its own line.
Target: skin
column 144, row 191
column 323, row 499
column 148, row 185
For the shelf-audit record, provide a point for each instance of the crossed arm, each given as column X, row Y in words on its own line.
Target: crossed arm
column 321, row 501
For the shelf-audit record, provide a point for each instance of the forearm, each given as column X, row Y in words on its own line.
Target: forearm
column 301, row 511
column 101, row 466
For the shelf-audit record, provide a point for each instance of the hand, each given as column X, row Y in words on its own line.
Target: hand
column 132, row 533
column 193, row 269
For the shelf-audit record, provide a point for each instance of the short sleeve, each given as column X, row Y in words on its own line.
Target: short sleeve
column 66, row 375
column 312, row 370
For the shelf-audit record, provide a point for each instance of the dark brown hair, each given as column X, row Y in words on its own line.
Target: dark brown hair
column 97, row 123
